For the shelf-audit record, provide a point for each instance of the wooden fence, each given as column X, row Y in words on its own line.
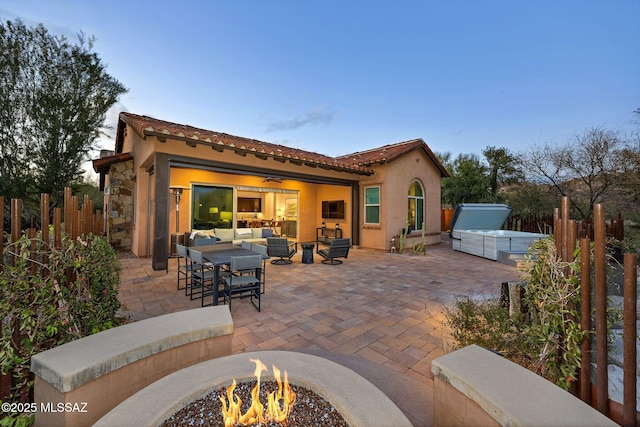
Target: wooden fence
column 546, row 224
column 77, row 221
column 567, row 233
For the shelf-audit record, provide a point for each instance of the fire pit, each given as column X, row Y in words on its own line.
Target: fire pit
column 357, row 400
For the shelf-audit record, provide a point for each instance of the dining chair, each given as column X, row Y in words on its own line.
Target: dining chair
column 245, row 244
column 243, row 281
column 202, row 275
column 184, row 267
column 262, row 250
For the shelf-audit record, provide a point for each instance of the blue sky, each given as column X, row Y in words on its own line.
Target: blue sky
column 336, row 77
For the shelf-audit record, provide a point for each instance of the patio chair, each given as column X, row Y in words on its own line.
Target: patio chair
column 184, row 267
column 245, row 244
column 339, row 248
column 262, row 250
column 202, row 275
column 281, row 248
column 245, row 278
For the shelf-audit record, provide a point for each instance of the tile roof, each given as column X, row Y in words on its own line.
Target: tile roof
column 355, row 163
column 148, row 126
column 391, row 152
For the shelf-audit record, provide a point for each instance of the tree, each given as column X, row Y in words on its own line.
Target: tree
column 526, row 198
column 585, row 168
column 468, row 181
column 473, row 181
column 503, row 169
column 628, row 198
column 55, row 96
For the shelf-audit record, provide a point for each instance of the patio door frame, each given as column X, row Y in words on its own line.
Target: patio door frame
column 161, row 167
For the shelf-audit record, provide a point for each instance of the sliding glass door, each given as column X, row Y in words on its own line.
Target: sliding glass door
column 212, row 207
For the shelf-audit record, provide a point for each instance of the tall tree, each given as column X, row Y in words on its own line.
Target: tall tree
column 55, row 96
column 503, row 169
column 585, row 168
column 468, row 181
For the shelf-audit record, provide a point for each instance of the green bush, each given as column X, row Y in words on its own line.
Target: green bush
column 553, row 295
column 52, row 296
column 546, row 339
column 486, row 323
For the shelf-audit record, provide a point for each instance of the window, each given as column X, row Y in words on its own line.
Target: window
column 212, row 207
column 372, row 205
column 416, row 206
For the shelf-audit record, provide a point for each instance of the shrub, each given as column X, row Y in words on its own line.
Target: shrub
column 51, row 296
column 546, row 339
column 553, row 294
column 486, row 323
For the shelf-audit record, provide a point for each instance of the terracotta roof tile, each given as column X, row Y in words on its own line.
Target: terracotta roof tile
column 356, row 163
column 382, row 154
column 146, row 126
column 391, row 152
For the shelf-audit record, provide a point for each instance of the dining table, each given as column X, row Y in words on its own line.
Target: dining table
column 218, row 256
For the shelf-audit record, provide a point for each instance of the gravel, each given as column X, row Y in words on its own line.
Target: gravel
column 309, row 409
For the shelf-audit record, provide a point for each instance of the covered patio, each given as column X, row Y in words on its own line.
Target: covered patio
column 378, row 313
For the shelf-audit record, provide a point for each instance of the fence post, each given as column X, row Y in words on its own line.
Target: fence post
column 16, row 223
column 602, row 376
column 564, row 216
column 585, row 319
column 629, row 334
column 44, row 225
column 557, row 235
column 2, row 234
column 74, row 218
column 57, row 228
column 68, row 211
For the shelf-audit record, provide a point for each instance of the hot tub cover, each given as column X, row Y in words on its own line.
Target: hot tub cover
column 480, row 216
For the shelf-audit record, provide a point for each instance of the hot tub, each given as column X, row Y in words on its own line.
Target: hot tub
column 488, row 243
column 475, row 229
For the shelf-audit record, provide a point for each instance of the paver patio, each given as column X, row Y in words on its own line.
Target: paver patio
column 377, row 309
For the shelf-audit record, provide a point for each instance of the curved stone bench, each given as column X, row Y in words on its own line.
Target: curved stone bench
column 473, row 386
column 98, row 372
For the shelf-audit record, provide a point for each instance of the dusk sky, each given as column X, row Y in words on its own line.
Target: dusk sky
column 335, row 77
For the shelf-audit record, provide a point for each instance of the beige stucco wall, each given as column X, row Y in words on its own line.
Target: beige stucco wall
column 333, row 192
column 394, row 179
column 143, row 217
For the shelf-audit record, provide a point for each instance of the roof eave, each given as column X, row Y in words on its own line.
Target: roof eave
column 261, row 154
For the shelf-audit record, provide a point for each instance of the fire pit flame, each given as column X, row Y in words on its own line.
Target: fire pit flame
column 275, row 411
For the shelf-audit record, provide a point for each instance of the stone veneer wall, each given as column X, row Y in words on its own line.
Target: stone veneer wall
column 120, row 205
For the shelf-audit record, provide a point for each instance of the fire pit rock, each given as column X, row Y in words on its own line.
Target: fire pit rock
column 359, row 402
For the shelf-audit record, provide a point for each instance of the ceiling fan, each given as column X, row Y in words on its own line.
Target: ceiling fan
column 272, row 179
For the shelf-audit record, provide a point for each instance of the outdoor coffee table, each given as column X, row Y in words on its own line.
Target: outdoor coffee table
column 307, row 252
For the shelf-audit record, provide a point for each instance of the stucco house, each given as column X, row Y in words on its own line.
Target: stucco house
column 228, row 182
